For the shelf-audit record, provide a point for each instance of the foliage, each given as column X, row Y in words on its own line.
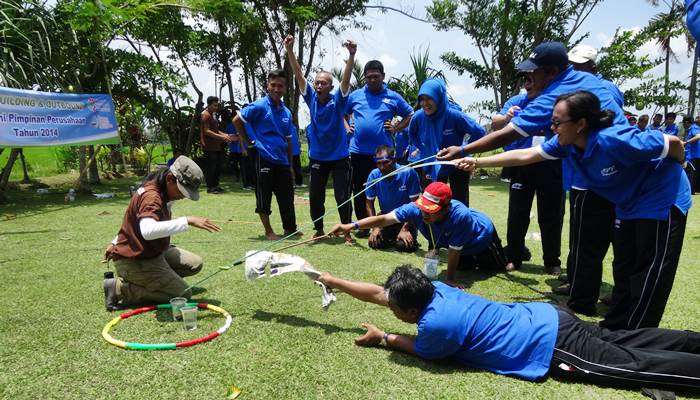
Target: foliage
column 66, row 158
column 504, row 32
column 357, row 80
column 619, row 62
column 408, row 85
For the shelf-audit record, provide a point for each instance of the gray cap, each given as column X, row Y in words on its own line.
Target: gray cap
column 188, row 176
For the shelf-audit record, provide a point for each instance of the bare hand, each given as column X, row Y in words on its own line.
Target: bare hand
column 351, row 46
column 288, row 43
column 325, row 278
column 465, row 164
column 511, row 112
column 449, row 153
column 203, row 223
column 389, row 126
column 234, row 138
column 351, row 129
column 108, row 253
column 372, row 337
column 340, row 229
column 406, row 236
column 454, row 284
column 375, row 237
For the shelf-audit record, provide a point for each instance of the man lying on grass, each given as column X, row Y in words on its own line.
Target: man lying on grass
column 524, row 340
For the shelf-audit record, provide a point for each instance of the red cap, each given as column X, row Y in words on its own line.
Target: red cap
column 436, row 196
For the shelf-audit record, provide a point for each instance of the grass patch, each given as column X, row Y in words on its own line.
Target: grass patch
column 282, row 345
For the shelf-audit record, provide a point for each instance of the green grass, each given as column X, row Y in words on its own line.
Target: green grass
column 282, row 345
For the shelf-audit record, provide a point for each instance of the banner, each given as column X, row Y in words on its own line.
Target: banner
column 31, row 119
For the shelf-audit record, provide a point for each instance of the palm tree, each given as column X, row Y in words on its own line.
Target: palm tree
column 409, row 85
column 357, row 80
column 667, row 26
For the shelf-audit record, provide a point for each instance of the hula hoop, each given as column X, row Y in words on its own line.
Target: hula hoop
column 164, row 346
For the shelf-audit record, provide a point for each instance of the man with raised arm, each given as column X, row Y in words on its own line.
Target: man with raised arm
column 327, row 136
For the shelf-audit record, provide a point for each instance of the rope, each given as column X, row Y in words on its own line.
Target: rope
column 239, row 261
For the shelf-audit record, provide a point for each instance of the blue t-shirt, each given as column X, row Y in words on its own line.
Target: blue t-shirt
column 395, row 191
column 464, row 229
column 370, row 110
column 233, row 147
column 614, row 90
column 401, row 143
column 326, row 133
column 537, row 115
column 271, row 126
column 630, row 169
column 693, row 149
column 670, row 130
column 296, row 145
column 521, row 101
column 457, row 129
column 509, row 339
column 693, row 17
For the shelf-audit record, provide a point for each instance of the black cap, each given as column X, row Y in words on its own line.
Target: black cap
column 547, row 54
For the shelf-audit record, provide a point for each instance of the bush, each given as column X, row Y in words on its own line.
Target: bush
column 67, row 158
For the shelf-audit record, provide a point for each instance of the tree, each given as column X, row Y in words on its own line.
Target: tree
column 504, row 33
column 409, row 85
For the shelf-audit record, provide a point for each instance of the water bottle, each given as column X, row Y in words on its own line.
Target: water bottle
column 430, row 268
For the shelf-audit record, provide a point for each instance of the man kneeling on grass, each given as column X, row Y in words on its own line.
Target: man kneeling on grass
column 524, row 340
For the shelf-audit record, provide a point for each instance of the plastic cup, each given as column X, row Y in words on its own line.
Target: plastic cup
column 176, row 303
column 189, row 317
column 430, row 267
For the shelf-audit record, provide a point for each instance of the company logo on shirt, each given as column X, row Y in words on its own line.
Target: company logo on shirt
column 265, row 170
column 403, row 188
column 448, row 132
column 316, row 166
column 285, row 120
column 386, row 100
column 611, row 170
column 516, row 186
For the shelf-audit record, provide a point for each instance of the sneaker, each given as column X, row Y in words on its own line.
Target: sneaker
column 562, row 289
column 110, row 289
column 213, row 191
column 553, row 270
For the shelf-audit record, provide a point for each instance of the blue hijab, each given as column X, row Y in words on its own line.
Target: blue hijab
column 431, row 131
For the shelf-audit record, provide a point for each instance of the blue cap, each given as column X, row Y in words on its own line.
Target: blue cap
column 547, row 54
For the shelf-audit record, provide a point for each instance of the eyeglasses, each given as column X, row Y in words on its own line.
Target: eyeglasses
column 556, row 123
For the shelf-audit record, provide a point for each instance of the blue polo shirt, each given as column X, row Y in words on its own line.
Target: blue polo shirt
column 521, row 101
column 326, row 133
column 630, row 169
column 614, row 90
column 401, row 143
column 670, row 130
column 693, row 17
column 509, row 339
column 271, row 126
column 296, row 145
column 537, row 115
column 233, row 147
column 393, row 192
column 464, row 229
column 370, row 110
column 458, row 129
column 693, row 149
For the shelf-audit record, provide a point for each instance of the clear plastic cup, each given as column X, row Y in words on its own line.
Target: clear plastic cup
column 176, row 303
column 430, row 266
column 189, row 317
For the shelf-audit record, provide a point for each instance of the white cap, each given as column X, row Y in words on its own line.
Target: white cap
column 582, row 53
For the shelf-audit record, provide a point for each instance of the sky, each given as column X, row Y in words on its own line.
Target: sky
column 393, row 37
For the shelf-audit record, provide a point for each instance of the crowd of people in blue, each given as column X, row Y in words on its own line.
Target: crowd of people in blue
column 566, row 132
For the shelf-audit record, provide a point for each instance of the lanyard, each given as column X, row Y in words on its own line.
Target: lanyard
column 432, row 237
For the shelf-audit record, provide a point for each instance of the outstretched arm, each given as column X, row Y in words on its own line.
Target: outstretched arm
column 676, row 150
column 296, row 68
column 347, row 73
column 368, row 292
column 489, row 142
column 513, row 158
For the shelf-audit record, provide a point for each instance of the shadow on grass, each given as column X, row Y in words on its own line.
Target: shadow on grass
column 29, row 232
column 435, row 367
column 300, row 322
column 466, row 277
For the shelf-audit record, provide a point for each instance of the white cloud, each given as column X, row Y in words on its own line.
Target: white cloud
column 388, row 61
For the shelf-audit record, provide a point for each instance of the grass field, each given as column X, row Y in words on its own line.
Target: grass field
column 282, row 345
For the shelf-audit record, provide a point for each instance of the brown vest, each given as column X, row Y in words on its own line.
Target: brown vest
column 130, row 243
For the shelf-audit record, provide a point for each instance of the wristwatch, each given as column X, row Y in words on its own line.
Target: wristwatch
column 384, row 340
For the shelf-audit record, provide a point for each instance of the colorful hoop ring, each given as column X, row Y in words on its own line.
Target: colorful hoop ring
column 165, row 346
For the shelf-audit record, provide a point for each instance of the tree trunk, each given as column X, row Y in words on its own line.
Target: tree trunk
column 193, row 124
column 5, row 175
column 225, row 62
column 25, row 178
column 693, row 84
column 83, row 183
column 93, row 172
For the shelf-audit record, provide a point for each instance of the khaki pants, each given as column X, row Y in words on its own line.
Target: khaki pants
column 156, row 280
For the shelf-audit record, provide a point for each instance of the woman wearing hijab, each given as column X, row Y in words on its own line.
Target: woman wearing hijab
column 440, row 124
column 639, row 172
